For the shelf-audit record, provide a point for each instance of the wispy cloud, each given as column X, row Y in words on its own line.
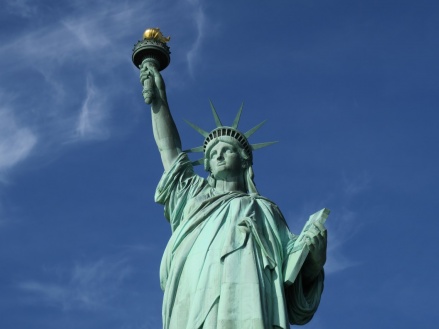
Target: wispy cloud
column 340, row 232
column 54, row 58
column 346, row 223
column 92, row 116
column 22, row 8
column 354, row 186
column 87, row 33
column 343, row 222
column 16, row 140
column 81, row 37
column 200, row 22
column 84, row 44
column 91, row 285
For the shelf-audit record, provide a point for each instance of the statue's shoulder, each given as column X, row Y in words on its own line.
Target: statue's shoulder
column 263, row 199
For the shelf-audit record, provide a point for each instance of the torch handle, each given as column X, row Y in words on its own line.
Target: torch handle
column 147, row 80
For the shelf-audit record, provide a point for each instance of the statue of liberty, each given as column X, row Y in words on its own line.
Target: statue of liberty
column 231, row 261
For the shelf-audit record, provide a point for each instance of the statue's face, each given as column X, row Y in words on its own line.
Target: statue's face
column 224, row 161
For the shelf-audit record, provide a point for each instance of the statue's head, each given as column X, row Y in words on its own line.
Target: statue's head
column 226, row 157
column 231, row 143
column 235, row 141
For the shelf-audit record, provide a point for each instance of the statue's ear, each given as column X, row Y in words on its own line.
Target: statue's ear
column 245, row 163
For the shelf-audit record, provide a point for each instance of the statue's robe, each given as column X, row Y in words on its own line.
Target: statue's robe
column 223, row 265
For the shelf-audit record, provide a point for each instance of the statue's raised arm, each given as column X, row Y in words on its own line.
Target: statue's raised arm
column 165, row 131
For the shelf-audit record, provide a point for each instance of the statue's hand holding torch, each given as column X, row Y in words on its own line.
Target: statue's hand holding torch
column 151, row 55
column 147, row 81
column 152, row 81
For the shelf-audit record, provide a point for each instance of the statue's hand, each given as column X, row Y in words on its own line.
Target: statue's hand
column 153, row 84
column 154, row 72
column 316, row 240
column 144, row 72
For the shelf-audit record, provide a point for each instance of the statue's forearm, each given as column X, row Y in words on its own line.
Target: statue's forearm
column 164, row 129
column 165, row 132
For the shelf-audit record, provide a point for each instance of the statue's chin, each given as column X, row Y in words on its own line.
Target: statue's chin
column 148, row 100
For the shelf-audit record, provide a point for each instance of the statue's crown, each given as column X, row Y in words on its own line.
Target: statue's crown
column 225, row 131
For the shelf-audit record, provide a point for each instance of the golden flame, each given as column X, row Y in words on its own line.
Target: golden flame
column 155, row 34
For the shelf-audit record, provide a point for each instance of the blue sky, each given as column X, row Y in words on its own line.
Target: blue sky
column 349, row 89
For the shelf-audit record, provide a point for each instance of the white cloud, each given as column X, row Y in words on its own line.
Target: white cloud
column 356, row 185
column 200, row 21
column 52, row 293
column 346, row 222
column 90, row 124
column 56, row 57
column 343, row 223
column 91, row 35
column 61, row 54
column 339, row 233
column 86, row 285
column 66, row 42
column 16, row 140
column 88, row 33
column 22, row 8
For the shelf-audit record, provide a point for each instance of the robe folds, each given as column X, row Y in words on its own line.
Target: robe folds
column 223, row 265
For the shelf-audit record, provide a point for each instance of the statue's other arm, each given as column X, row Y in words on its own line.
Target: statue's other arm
column 165, row 131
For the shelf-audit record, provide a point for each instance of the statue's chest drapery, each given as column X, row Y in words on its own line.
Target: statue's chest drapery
column 227, row 260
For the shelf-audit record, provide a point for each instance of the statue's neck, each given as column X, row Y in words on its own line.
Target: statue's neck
column 234, row 185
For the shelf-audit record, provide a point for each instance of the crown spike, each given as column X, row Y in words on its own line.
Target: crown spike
column 201, row 131
column 238, row 117
column 215, row 115
column 261, row 145
column 254, row 129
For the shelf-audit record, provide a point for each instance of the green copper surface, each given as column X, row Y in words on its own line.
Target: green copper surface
column 231, row 261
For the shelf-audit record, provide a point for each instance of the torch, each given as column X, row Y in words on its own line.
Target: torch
column 152, row 49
